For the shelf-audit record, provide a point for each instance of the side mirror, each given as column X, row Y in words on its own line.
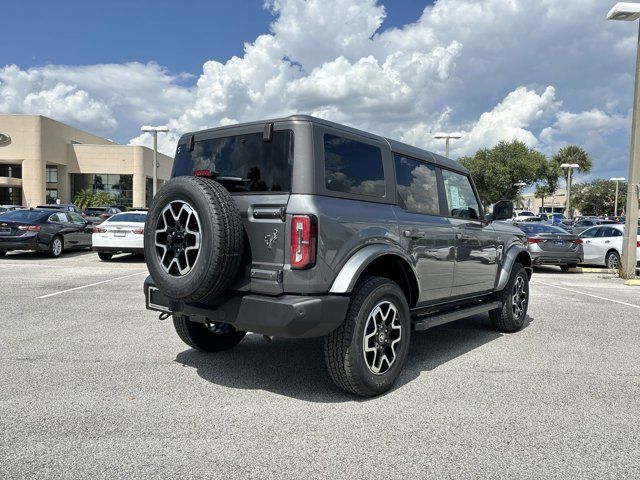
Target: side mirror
column 502, row 210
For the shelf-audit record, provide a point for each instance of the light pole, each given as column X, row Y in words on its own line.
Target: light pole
column 520, row 184
column 569, row 167
column 447, row 137
column 631, row 11
column 155, row 130
column 617, row 180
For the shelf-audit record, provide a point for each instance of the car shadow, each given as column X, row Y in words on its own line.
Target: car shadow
column 295, row 367
column 127, row 258
column 29, row 255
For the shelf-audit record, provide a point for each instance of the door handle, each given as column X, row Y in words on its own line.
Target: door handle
column 411, row 234
column 606, row 241
column 458, row 236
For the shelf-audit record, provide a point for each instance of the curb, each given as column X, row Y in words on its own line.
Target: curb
column 592, row 270
column 633, row 282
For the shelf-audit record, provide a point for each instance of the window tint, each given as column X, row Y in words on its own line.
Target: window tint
column 590, row 233
column 24, row 215
column 607, row 232
column 58, row 217
column 417, row 185
column 128, row 217
column 461, row 200
column 353, row 167
column 535, row 228
column 75, row 218
column 242, row 163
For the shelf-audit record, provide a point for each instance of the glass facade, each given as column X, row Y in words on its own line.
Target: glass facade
column 10, row 196
column 119, row 187
column 10, row 170
column 148, row 193
column 52, row 195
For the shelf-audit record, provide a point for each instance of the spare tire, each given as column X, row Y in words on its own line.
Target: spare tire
column 193, row 239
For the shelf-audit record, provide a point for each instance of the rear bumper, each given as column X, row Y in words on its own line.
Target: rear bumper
column 291, row 316
column 556, row 258
column 27, row 243
column 117, row 250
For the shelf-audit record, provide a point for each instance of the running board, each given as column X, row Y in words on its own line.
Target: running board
column 451, row 316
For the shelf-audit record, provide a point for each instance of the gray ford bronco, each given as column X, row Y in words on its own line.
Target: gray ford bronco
column 300, row 227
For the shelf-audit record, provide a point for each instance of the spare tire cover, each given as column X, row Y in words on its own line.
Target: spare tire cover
column 193, row 239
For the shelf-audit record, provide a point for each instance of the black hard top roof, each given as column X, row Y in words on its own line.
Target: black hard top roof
column 395, row 145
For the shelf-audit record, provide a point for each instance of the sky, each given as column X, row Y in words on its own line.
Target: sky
column 546, row 72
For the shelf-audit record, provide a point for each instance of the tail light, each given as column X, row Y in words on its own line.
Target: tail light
column 638, row 244
column 99, row 230
column 138, row 231
column 534, row 240
column 29, row 228
column 304, row 237
column 577, row 241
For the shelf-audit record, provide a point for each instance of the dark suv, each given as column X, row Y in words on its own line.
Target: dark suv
column 299, row 227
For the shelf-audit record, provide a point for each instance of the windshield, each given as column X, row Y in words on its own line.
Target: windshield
column 23, row 215
column 242, row 163
column 128, row 217
column 526, row 214
column 535, row 228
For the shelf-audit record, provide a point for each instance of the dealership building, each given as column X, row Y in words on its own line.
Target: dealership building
column 45, row 161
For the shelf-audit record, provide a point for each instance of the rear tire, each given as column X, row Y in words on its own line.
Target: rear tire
column 213, row 337
column 565, row 268
column 613, row 260
column 56, row 247
column 510, row 317
column 377, row 327
column 105, row 256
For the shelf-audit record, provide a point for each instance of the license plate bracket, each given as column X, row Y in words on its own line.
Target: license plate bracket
column 156, row 300
column 119, row 234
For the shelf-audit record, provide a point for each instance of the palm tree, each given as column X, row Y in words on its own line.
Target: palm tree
column 574, row 154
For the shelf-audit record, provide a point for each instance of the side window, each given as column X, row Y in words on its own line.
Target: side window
column 461, row 200
column 607, row 232
column 75, row 218
column 417, row 185
column 616, row 232
column 591, row 233
column 58, row 218
column 353, row 167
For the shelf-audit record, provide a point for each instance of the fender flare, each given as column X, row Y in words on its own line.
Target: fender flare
column 507, row 265
column 360, row 260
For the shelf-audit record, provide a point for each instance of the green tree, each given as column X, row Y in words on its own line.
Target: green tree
column 549, row 177
column 574, row 154
column 87, row 198
column 598, row 197
column 496, row 170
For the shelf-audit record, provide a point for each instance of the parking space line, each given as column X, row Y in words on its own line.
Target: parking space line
column 586, row 294
column 90, row 285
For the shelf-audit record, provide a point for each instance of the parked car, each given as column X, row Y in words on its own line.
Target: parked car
column 8, row 208
column 43, row 230
column 67, row 207
column 100, row 212
column 121, row 233
column 523, row 215
column 603, row 244
column 552, row 245
column 301, row 227
column 585, row 223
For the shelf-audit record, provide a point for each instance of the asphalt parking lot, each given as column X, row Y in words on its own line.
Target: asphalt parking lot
column 93, row 385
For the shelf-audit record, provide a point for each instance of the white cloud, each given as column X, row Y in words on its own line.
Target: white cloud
column 541, row 71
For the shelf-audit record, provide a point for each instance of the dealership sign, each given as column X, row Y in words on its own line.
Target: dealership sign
column 4, row 139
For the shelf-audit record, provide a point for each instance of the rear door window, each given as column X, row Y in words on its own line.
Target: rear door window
column 417, row 185
column 461, row 199
column 353, row 167
column 242, row 163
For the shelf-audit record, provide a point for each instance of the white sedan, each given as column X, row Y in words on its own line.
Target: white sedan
column 120, row 233
column 602, row 245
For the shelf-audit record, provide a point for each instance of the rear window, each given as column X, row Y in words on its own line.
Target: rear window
column 353, row 167
column 540, row 228
column 96, row 210
column 242, row 163
column 23, row 215
column 127, row 217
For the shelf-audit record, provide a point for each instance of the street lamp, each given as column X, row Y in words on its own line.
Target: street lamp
column 520, row 184
column 617, row 180
column 447, row 137
column 155, row 130
column 631, row 11
column 569, row 167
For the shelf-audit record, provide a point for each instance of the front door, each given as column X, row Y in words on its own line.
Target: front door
column 476, row 263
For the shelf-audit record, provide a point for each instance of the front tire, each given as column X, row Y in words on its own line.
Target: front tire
column 56, row 247
column 209, row 337
column 105, row 256
column 565, row 268
column 511, row 315
column 365, row 355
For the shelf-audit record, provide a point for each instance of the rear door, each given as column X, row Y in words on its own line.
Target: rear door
column 83, row 230
column 256, row 169
column 476, row 264
column 592, row 245
column 426, row 234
